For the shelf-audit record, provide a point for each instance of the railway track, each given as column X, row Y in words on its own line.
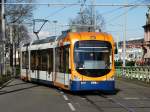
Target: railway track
column 108, row 99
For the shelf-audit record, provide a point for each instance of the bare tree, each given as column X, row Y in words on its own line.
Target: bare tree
column 16, row 15
column 85, row 18
column 19, row 13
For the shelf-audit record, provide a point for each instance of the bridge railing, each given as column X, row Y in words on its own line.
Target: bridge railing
column 141, row 73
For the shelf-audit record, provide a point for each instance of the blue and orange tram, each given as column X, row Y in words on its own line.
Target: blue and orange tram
column 75, row 61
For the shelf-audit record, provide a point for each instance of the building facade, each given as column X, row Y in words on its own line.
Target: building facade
column 146, row 43
column 134, row 50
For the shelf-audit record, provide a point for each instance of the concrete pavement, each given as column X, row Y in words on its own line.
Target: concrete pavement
column 19, row 96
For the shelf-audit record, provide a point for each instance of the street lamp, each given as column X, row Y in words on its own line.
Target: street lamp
column 3, row 60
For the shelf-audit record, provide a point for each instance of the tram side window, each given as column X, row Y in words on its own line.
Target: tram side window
column 66, row 59
column 57, row 59
column 33, row 60
column 38, row 60
column 50, row 57
column 25, row 60
column 62, row 59
column 44, row 61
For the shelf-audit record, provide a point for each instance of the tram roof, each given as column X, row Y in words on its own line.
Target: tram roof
column 52, row 38
column 27, row 44
column 46, row 40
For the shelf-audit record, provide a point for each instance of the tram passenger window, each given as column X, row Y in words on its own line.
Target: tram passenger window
column 66, row 59
column 44, row 60
column 62, row 59
column 58, row 59
column 25, row 60
column 38, row 60
column 33, row 60
column 50, row 60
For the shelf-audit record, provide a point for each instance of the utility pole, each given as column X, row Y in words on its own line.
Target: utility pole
column 94, row 14
column 124, row 41
column 81, row 12
column 3, row 37
column 117, row 41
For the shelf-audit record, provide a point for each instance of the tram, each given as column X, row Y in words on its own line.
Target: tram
column 75, row 61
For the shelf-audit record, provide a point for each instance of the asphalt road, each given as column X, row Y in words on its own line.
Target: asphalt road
column 19, row 96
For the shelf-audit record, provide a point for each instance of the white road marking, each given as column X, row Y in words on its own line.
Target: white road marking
column 65, row 97
column 61, row 92
column 131, row 98
column 135, row 98
column 71, row 107
column 109, row 98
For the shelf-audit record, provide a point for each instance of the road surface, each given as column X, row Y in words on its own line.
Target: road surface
column 19, row 96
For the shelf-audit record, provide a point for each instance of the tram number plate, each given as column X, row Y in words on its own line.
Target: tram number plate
column 93, row 82
column 83, row 82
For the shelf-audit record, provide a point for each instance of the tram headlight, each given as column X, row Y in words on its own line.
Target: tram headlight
column 111, row 79
column 76, row 78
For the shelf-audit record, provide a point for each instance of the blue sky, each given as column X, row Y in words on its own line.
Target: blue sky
column 113, row 16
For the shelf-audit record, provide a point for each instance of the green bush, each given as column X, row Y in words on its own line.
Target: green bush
column 118, row 63
column 4, row 78
column 17, row 71
column 128, row 63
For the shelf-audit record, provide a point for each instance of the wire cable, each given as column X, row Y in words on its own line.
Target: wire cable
column 130, row 9
column 111, row 11
column 54, row 13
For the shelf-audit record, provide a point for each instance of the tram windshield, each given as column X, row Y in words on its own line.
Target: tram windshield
column 93, row 58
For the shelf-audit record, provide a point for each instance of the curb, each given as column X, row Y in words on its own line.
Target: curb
column 5, row 84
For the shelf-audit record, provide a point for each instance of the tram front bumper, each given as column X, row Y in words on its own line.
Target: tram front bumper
column 92, row 85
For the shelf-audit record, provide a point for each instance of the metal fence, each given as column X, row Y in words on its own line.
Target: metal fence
column 141, row 73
